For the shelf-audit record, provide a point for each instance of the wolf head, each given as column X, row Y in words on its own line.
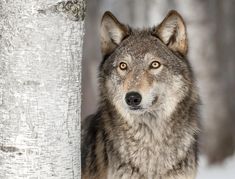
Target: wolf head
column 145, row 71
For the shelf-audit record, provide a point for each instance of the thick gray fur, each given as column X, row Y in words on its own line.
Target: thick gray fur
column 158, row 141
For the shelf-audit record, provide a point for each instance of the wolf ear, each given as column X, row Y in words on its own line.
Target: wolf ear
column 112, row 32
column 172, row 31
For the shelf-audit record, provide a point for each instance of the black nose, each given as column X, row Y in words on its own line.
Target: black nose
column 133, row 99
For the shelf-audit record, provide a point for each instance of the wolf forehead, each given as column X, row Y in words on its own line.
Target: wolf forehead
column 141, row 47
column 141, row 44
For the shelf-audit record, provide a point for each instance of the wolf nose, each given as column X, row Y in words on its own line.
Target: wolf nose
column 133, row 99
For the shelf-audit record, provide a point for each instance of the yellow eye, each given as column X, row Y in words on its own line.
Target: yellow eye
column 155, row 65
column 123, row 66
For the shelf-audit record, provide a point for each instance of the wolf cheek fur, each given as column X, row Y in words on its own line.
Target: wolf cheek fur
column 147, row 123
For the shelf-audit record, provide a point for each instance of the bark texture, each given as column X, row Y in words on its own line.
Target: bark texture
column 40, row 75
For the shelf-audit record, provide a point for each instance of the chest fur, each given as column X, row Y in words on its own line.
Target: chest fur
column 142, row 154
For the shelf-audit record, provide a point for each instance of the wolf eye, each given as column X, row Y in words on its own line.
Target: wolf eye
column 123, row 66
column 155, row 65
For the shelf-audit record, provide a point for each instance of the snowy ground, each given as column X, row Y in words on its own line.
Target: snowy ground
column 224, row 171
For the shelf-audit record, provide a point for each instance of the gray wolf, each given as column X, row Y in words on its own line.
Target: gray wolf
column 147, row 122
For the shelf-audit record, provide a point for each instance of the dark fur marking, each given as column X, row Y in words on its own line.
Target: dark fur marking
column 105, row 147
column 90, row 140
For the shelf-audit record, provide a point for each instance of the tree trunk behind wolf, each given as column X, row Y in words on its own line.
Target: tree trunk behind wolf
column 40, row 75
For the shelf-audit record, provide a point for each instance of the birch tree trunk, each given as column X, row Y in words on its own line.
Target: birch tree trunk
column 40, row 75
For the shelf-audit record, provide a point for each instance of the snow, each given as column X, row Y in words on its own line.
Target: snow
column 225, row 170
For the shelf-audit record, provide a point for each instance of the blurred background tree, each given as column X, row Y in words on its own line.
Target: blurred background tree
column 211, row 28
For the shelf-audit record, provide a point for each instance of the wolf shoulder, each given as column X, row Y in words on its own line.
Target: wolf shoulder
column 93, row 155
column 89, row 128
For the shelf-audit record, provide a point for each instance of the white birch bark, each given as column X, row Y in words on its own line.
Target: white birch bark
column 40, row 75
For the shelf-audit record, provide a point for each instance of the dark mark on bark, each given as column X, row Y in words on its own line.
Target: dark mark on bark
column 74, row 9
column 7, row 149
column 1, row 97
column 31, row 83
